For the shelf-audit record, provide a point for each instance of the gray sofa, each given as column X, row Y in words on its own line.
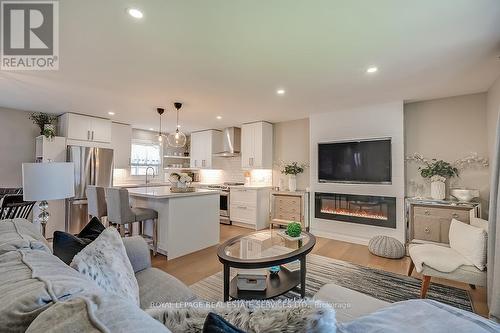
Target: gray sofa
column 40, row 294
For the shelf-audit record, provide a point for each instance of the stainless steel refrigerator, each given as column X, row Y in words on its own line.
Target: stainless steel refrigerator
column 93, row 166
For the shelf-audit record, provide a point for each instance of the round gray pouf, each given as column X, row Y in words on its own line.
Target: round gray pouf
column 387, row 247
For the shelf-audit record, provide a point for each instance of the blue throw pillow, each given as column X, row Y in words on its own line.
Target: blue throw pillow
column 66, row 245
column 217, row 324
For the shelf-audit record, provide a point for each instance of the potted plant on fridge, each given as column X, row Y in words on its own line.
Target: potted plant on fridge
column 46, row 123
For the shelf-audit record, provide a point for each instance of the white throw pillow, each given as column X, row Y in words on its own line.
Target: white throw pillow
column 105, row 261
column 480, row 223
column 469, row 241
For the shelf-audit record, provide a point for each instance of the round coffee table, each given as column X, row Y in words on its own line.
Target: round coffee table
column 264, row 249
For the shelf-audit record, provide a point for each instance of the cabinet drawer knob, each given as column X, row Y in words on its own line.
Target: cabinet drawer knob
column 455, row 215
column 427, row 212
column 427, row 230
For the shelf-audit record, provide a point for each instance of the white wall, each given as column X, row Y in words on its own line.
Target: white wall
column 492, row 111
column 376, row 121
column 448, row 129
column 17, row 145
column 291, row 144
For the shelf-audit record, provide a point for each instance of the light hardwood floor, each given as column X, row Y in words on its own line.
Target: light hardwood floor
column 201, row 264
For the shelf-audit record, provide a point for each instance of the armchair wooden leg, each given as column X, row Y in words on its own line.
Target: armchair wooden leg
column 410, row 269
column 426, row 281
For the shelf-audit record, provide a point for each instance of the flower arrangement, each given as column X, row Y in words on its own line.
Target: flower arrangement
column 292, row 168
column 41, row 119
column 435, row 167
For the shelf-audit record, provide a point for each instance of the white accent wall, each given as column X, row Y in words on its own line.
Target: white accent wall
column 375, row 121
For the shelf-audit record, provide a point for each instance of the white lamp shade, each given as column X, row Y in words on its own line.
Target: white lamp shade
column 48, row 181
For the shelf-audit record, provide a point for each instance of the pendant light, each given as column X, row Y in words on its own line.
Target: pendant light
column 177, row 139
column 160, row 134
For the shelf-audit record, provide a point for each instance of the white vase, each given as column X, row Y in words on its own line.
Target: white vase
column 438, row 190
column 292, row 183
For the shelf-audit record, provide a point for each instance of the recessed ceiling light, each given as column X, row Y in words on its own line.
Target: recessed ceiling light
column 219, row 117
column 135, row 13
column 280, row 91
column 372, row 69
column 111, row 113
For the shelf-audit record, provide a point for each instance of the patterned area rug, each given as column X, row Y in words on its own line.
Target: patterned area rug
column 389, row 287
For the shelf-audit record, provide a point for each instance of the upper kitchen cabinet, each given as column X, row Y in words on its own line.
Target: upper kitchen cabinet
column 121, row 142
column 257, row 145
column 84, row 128
column 203, row 145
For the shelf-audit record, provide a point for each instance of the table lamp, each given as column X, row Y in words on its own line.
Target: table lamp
column 47, row 181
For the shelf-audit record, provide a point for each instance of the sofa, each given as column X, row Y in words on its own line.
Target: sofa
column 39, row 293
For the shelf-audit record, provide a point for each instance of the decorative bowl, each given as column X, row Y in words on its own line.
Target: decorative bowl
column 464, row 195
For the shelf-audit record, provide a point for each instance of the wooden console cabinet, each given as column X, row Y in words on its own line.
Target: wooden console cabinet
column 429, row 221
column 289, row 207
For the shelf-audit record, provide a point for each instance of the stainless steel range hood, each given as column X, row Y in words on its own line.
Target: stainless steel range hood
column 231, row 138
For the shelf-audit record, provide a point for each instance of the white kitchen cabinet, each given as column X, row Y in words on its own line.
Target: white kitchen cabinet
column 203, row 145
column 121, row 143
column 85, row 128
column 249, row 207
column 257, row 145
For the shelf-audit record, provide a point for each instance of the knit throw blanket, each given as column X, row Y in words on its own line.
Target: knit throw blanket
column 250, row 316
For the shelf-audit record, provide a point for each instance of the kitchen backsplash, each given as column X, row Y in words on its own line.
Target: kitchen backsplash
column 228, row 169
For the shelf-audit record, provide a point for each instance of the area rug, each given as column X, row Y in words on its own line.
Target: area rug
column 386, row 286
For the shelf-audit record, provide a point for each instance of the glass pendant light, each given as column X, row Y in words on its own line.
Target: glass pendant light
column 177, row 139
column 160, row 134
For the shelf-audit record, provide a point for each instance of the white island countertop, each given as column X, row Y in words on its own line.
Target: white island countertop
column 163, row 192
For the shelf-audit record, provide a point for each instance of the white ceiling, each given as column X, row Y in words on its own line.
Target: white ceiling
column 228, row 57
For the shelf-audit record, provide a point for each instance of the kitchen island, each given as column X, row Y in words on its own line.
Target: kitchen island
column 187, row 222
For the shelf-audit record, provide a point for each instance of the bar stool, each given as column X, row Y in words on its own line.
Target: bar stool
column 120, row 212
column 96, row 199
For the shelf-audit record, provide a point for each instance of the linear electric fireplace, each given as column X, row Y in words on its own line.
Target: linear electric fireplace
column 363, row 209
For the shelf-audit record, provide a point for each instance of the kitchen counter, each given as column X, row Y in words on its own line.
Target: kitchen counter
column 187, row 222
column 161, row 192
column 251, row 187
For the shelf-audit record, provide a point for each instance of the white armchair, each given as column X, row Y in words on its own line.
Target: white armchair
column 464, row 260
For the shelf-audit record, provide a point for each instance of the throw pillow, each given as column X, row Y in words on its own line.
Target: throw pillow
column 66, row 245
column 250, row 316
column 217, row 324
column 105, row 261
column 469, row 241
column 480, row 223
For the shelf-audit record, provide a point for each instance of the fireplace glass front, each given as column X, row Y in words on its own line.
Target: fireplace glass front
column 363, row 209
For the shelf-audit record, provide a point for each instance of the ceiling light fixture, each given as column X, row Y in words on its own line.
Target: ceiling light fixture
column 219, row 117
column 280, row 91
column 160, row 134
column 371, row 70
column 135, row 13
column 111, row 113
column 177, row 139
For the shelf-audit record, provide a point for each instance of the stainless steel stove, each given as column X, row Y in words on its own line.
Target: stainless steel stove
column 225, row 197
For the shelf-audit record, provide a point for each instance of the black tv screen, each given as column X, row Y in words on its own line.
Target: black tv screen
column 366, row 161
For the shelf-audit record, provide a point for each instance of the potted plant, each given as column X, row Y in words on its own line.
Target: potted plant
column 438, row 171
column 292, row 170
column 45, row 122
column 294, row 229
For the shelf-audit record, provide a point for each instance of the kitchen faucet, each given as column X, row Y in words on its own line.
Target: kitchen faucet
column 147, row 180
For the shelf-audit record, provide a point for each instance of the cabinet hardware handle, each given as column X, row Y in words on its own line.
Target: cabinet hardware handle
column 92, row 135
column 242, row 207
column 427, row 230
column 88, row 135
column 427, row 212
column 455, row 215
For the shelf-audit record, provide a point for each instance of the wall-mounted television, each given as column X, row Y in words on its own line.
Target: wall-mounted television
column 360, row 161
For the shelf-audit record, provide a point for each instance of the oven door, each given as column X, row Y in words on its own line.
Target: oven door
column 224, row 207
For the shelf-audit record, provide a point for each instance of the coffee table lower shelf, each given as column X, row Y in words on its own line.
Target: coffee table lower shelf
column 277, row 285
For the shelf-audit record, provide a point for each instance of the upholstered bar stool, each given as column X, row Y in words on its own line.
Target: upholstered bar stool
column 96, row 199
column 120, row 213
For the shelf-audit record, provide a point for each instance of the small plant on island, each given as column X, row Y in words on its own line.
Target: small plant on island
column 294, row 229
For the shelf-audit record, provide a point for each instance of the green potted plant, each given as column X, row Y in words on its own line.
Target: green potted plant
column 45, row 122
column 294, row 229
column 292, row 170
column 438, row 171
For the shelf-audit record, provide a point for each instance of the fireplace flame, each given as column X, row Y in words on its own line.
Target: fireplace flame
column 355, row 213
